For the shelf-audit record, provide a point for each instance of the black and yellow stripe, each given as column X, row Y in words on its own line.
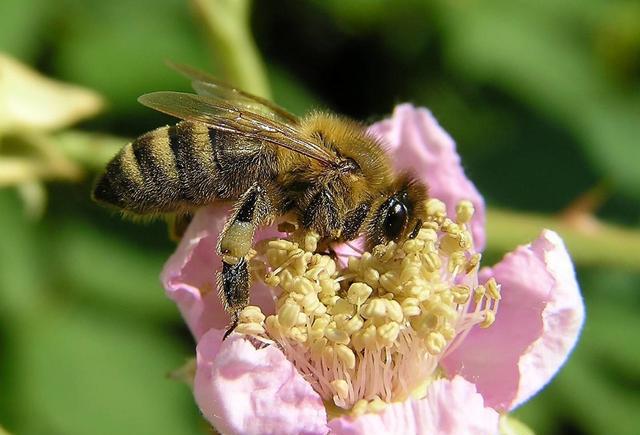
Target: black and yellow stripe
column 165, row 170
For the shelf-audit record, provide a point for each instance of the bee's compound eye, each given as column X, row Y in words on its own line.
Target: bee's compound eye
column 395, row 220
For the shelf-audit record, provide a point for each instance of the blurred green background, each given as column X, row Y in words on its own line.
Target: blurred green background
column 542, row 97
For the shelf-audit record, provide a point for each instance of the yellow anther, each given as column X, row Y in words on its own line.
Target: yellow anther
column 341, row 387
column 272, row 325
column 314, row 272
column 336, row 335
column 427, row 235
column 297, row 334
column 388, row 333
column 317, row 328
column 449, row 226
column 359, row 408
column 412, row 246
column 294, row 296
column 493, row 289
column 435, row 343
column 435, row 207
column 479, row 293
column 448, row 332
column 464, row 211
column 385, row 253
column 431, row 261
column 423, row 294
column 432, row 224
column 251, row 314
column 329, row 301
column 304, row 286
column 303, row 319
column 473, row 262
column 354, row 264
column 450, row 243
column 250, row 328
column 411, row 260
column 272, row 280
column 346, row 356
column 299, row 264
column 342, row 306
column 368, row 336
column 489, row 318
column 367, row 258
column 409, row 273
column 376, row 405
column 320, row 310
column 374, row 308
column 371, row 277
column 330, row 267
column 465, row 240
column 410, row 307
column 310, row 302
column 311, row 241
column 461, row 294
column 358, row 293
column 444, row 310
column 282, row 244
column 353, row 324
column 328, row 287
column 288, row 314
column 394, row 311
column 389, row 281
column 457, row 260
column 286, row 279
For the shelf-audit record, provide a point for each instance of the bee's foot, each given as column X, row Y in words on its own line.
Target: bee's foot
column 231, row 327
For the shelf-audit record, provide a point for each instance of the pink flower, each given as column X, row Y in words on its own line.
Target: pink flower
column 241, row 388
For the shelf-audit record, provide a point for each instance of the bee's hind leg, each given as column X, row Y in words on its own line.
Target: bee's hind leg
column 254, row 208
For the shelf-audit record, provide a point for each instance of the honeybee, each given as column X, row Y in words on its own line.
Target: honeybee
column 324, row 170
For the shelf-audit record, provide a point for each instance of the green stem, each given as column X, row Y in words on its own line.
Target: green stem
column 597, row 244
column 227, row 26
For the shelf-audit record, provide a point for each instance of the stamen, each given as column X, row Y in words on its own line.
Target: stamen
column 375, row 330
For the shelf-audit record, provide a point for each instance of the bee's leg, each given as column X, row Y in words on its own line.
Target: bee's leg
column 354, row 220
column 254, row 208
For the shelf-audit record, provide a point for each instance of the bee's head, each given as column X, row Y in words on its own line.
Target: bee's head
column 399, row 214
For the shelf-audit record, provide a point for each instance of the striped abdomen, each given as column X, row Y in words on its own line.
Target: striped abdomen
column 181, row 167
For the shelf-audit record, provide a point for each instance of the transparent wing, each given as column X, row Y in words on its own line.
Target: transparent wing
column 207, row 85
column 225, row 116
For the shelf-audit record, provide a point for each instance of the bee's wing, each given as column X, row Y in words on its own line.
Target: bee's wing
column 207, row 85
column 221, row 115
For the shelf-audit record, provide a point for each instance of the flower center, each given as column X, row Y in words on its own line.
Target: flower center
column 374, row 331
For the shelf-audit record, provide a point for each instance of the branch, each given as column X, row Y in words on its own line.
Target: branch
column 227, row 25
column 603, row 244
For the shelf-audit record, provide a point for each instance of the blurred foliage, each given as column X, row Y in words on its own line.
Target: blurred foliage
column 543, row 98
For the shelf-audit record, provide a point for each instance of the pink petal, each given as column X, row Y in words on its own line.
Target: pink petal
column 418, row 143
column 189, row 276
column 450, row 407
column 537, row 325
column 244, row 390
